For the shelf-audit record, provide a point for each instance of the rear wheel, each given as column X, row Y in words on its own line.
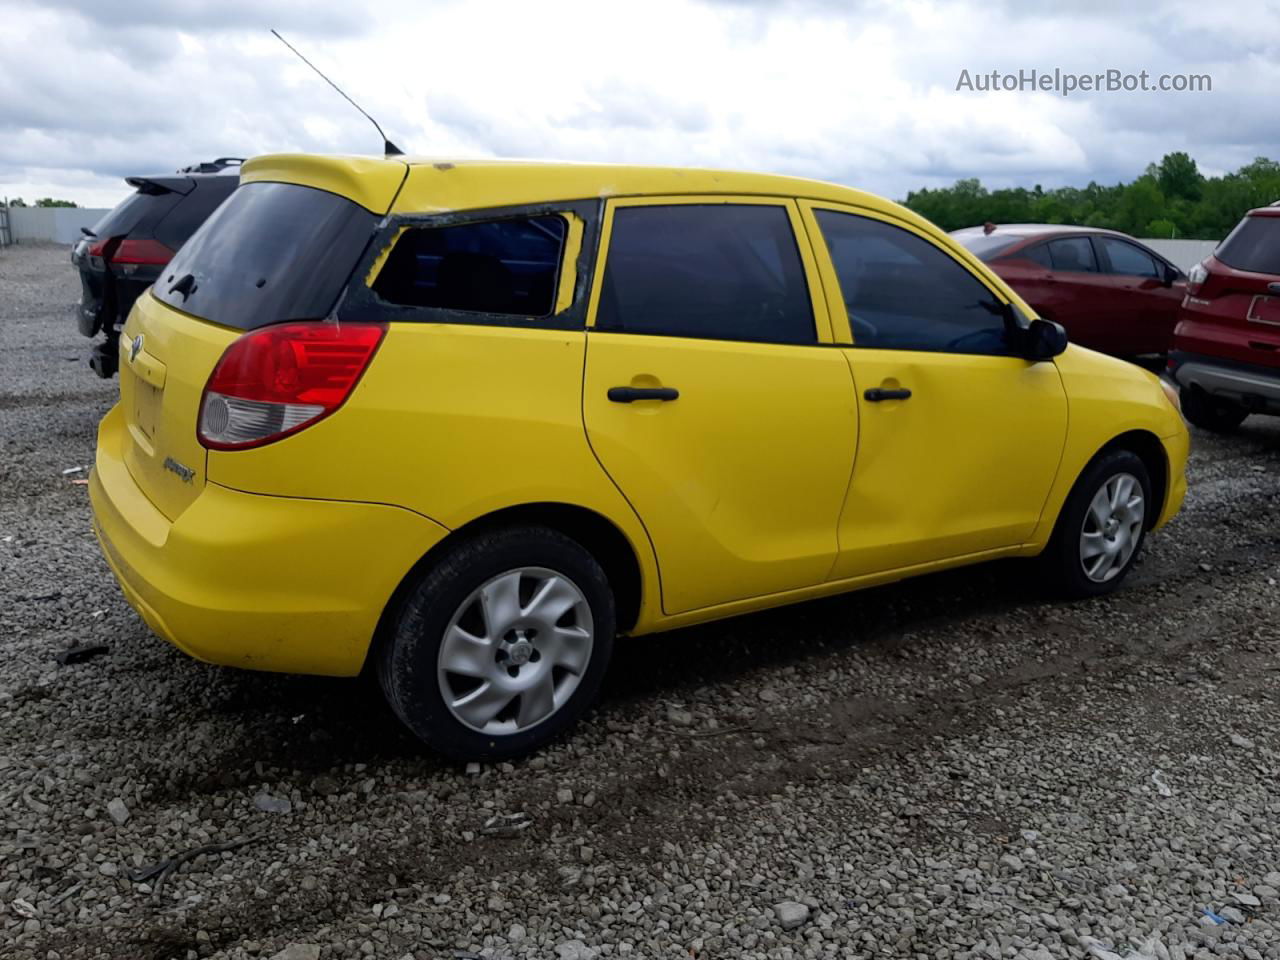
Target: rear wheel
column 1210, row 412
column 1101, row 527
column 501, row 645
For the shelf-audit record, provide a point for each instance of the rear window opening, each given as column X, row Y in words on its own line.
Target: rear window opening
column 272, row 252
column 1253, row 246
column 509, row 266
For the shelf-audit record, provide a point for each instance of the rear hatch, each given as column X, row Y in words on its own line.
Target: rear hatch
column 136, row 217
column 1234, row 296
column 273, row 252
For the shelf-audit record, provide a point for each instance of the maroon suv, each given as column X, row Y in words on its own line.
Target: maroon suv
column 1226, row 355
column 1109, row 291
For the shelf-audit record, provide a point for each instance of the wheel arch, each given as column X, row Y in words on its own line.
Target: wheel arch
column 1148, row 448
column 599, row 535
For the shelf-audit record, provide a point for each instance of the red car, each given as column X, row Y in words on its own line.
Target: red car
column 1109, row 291
column 1226, row 352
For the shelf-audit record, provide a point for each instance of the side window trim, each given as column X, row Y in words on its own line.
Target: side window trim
column 841, row 331
column 360, row 303
column 804, row 245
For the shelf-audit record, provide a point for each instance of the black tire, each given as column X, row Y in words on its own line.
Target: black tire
column 1211, row 413
column 408, row 656
column 1061, row 565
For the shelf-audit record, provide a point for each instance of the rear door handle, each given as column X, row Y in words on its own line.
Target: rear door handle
column 632, row 394
column 876, row 394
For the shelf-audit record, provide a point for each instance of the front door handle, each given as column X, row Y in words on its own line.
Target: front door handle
column 632, row 394
column 876, row 394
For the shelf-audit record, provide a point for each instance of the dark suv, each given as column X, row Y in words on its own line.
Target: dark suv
column 1226, row 347
column 129, row 247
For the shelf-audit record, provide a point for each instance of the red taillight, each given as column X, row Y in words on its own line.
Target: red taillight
column 134, row 250
column 277, row 380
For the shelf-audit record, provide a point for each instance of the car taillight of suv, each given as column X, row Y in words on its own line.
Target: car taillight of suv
column 1226, row 355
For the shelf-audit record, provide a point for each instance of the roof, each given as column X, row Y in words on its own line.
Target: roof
column 439, row 185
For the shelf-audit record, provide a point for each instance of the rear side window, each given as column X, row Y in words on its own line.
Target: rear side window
column 985, row 246
column 1073, row 253
column 1254, row 245
column 714, row 271
column 271, row 252
column 498, row 266
column 1037, row 253
column 1127, row 259
column 903, row 293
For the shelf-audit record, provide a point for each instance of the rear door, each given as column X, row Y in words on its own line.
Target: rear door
column 272, row 252
column 713, row 398
column 1078, row 295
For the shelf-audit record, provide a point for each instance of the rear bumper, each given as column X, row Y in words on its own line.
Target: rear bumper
column 264, row 583
column 1252, row 386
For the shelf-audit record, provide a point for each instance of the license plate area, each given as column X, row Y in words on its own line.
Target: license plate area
column 1265, row 310
column 147, row 401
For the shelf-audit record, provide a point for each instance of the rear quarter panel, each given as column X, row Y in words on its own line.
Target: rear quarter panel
column 1107, row 397
column 452, row 421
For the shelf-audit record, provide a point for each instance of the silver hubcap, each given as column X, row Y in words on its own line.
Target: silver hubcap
column 515, row 650
column 1112, row 527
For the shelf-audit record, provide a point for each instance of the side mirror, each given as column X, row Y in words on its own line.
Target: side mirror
column 1170, row 276
column 1044, row 340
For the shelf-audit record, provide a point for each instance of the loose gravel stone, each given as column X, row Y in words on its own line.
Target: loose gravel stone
column 299, row 951
column 791, row 914
column 118, row 811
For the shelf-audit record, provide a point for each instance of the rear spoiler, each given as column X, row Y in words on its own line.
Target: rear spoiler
column 161, row 185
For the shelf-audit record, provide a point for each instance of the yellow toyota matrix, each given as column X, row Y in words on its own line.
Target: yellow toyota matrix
column 465, row 422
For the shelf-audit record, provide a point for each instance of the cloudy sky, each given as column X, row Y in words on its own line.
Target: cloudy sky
column 861, row 92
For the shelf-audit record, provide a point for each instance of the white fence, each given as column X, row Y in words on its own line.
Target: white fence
column 1183, row 253
column 50, row 224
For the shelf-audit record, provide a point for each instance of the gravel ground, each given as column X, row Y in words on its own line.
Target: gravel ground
column 947, row 768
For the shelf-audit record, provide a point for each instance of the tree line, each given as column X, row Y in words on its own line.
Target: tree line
column 42, row 202
column 1171, row 199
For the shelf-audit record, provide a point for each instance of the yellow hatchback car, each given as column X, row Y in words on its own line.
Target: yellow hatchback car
column 467, row 421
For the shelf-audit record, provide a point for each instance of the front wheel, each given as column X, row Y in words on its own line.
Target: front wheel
column 1211, row 413
column 501, row 645
column 1101, row 527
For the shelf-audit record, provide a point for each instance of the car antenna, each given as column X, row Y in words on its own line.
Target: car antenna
column 389, row 148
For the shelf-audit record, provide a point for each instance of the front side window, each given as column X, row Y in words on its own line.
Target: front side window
column 1074, row 254
column 1127, row 259
column 903, row 293
column 714, row 271
column 508, row 266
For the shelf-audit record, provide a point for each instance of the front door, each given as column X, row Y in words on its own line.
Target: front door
column 713, row 397
column 959, row 439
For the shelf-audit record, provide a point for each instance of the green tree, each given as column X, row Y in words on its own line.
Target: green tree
column 51, row 202
column 1171, row 197
column 1178, row 176
column 17, row 202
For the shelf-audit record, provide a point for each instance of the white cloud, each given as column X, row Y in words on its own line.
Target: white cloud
column 862, row 93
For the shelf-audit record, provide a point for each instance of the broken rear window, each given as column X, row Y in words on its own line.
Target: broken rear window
column 508, row 266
